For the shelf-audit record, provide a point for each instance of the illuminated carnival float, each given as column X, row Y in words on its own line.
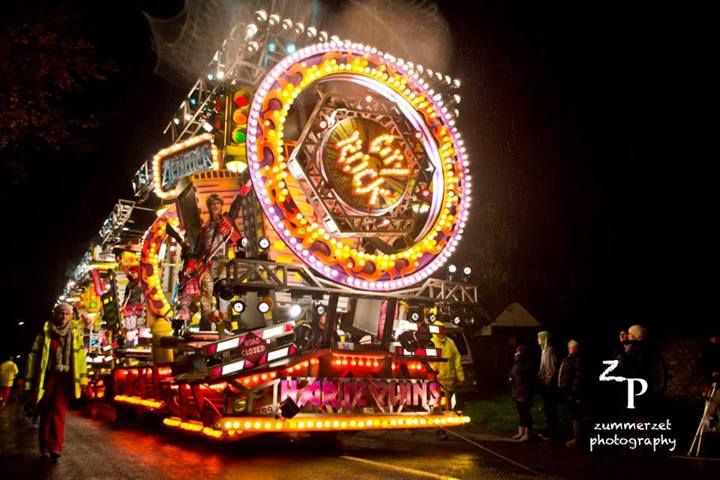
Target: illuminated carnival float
column 304, row 302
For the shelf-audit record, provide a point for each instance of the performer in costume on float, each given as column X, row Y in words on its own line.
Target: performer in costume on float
column 133, row 307
column 209, row 250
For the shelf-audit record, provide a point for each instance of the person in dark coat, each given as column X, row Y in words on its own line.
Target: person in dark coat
column 570, row 385
column 642, row 360
column 708, row 363
column 622, row 345
column 521, row 380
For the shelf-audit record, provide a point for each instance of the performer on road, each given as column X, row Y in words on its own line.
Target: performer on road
column 56, row 373
column 8, row 371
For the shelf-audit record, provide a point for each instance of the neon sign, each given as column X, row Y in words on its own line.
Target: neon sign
column 350, row 394
column 368, row 179
column 173, row 164
column 183, row 164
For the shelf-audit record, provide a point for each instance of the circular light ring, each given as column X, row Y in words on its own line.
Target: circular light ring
column 150, row 270
column 268, row 169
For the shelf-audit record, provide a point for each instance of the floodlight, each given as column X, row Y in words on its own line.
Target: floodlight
column 238, row 306
column 263, row 305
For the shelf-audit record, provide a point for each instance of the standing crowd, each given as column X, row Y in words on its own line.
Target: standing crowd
column 567, row 382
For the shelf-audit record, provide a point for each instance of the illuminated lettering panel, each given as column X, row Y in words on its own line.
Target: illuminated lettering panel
column 173, row 164
column 353, row 394
column 370, row 172
column 184, row 164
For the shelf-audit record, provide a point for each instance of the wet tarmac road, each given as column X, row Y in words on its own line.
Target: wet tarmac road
column 102, row 449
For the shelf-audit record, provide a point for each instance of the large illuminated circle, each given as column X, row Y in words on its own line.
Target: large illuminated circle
column 327, row 254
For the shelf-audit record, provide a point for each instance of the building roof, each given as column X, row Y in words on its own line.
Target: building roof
column 515, row 315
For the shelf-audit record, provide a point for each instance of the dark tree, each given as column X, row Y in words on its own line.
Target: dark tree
column 46, row 62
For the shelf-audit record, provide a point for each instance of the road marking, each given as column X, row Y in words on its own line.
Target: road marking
column 396, row 468
column 493, row 452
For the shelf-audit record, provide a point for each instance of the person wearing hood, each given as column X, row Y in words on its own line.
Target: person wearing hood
column 547, row 382
column 56, row 373
column 521, row 390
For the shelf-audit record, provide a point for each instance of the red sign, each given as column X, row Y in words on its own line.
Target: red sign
column 253, row 347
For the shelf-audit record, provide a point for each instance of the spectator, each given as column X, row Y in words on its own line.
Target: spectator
column 521, row 389
column 709, row 366
column 623, row 344
column 547, row 384
column 709, row 360
column 641, row 360
column 8, row 371
column 616, row 403
column 570, row 385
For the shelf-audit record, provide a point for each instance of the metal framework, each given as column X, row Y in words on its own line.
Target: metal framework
column 263, row 274
column 243, row 59
column 115, row 222
column 191, row 116
column 236, row 61
column 126, row 223
column 142, row 181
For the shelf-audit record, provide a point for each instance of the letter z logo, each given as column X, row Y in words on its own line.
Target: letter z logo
column 604, row 375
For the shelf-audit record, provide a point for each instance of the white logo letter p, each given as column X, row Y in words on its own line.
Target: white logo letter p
column 631, row 390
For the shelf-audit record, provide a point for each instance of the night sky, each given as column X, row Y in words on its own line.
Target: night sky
column 583, row 210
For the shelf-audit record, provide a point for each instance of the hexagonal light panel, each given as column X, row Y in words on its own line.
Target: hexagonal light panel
column 364, row 168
